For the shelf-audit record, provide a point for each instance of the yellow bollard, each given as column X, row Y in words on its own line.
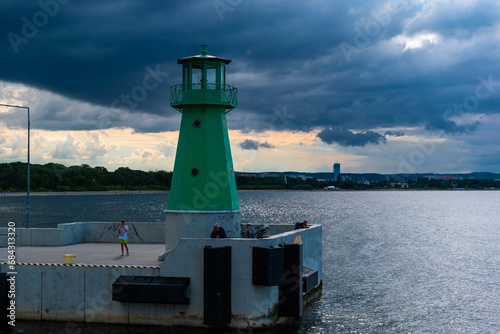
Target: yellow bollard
column 68, row 257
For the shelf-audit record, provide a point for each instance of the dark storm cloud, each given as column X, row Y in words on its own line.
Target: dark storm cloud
column 467, row 17
column 452, row 127
column 266, row 145
column 249, row 144
column 288, row 62
column 395, row 134
column 344, row 137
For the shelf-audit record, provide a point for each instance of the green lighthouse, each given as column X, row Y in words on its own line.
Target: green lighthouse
column 203, row 173
column 203, row 190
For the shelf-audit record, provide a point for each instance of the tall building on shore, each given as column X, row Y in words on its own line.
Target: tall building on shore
column 336, row 171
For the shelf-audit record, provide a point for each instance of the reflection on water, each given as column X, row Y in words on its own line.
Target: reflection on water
column 393, row 262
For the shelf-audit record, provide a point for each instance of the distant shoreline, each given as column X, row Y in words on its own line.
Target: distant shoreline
column 124, row 192
column 107, row 192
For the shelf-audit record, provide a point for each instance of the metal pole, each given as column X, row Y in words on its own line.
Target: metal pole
column 28, row 185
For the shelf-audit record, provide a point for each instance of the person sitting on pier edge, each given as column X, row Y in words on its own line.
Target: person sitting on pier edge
column 264, row 232
column 301, row 225
column 250, row 231
column 218, row 232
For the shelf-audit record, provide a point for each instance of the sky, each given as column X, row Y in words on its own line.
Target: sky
column 378, row 86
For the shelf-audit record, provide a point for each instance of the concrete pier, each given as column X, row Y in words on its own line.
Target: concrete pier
column 141, row 254
column 48, row 289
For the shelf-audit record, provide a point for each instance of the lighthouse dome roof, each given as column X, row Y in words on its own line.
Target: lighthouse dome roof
column 202, row 56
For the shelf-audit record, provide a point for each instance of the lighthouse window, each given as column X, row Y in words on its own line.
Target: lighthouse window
column 185, row 74
column 222, row 75
column 197, row 76
column 195, row 171
column 197, row 123
column 211, row 75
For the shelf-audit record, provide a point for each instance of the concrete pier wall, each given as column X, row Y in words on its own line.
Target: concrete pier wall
column 74, row 233
column 74, row 293
column 252, row 305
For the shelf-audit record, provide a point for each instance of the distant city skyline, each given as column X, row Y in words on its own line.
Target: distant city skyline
column 291, row 173
column 379, row 86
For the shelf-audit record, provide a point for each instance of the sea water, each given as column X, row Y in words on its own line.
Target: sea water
column 393, row 261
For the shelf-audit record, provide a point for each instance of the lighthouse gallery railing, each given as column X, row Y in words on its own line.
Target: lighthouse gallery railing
column 203, row 93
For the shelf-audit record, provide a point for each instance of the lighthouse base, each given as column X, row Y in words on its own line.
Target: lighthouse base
column 199, row 224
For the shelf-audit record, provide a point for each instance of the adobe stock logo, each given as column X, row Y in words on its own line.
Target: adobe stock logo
column 371, row 29
column 40, row 19
column 150, row 81
column 225, row 6
column 471, row 103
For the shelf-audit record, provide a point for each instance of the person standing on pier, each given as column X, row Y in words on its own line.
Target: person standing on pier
column 122, row 236
column 250, row 231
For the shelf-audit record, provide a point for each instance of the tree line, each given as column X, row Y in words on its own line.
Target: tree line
column 57, row 177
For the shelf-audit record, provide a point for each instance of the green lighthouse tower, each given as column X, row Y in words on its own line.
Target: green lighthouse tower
column 203, row 190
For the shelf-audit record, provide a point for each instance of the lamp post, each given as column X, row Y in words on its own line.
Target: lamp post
column 28, row 186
